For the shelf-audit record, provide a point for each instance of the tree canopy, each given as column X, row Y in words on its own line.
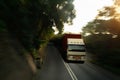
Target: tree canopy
column 102, row 36
column 32, row 20
column 106, row 21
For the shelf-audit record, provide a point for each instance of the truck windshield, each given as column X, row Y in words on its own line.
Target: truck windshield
column 74, row 47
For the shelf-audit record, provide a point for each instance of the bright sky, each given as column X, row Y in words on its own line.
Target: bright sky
column 86, row 10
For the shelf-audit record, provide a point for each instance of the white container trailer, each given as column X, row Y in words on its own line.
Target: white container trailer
column 74, row 47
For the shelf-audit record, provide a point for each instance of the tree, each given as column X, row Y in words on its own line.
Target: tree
column 32, row 20
column 112, row 16
column 106, row 21
column 104, row 34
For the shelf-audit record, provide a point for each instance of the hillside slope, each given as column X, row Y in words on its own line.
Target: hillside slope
column 14, row 63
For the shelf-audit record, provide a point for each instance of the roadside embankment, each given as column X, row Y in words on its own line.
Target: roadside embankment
column 15, row 62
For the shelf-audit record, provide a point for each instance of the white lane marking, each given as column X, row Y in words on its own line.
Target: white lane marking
column 69, row 71
column 73, row 76
column 72, row 72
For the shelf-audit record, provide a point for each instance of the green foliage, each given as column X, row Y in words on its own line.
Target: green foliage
column 104, row 48
column 103, row 41
column 32, row 20
column 106, row 12
column 2, row 26
column 57, row 40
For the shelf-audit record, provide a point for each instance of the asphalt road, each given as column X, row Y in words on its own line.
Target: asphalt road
column 54, row 68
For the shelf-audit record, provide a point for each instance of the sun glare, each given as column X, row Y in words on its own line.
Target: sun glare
column 86, row 10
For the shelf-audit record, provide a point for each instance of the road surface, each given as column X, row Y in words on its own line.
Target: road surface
column 54, row 68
